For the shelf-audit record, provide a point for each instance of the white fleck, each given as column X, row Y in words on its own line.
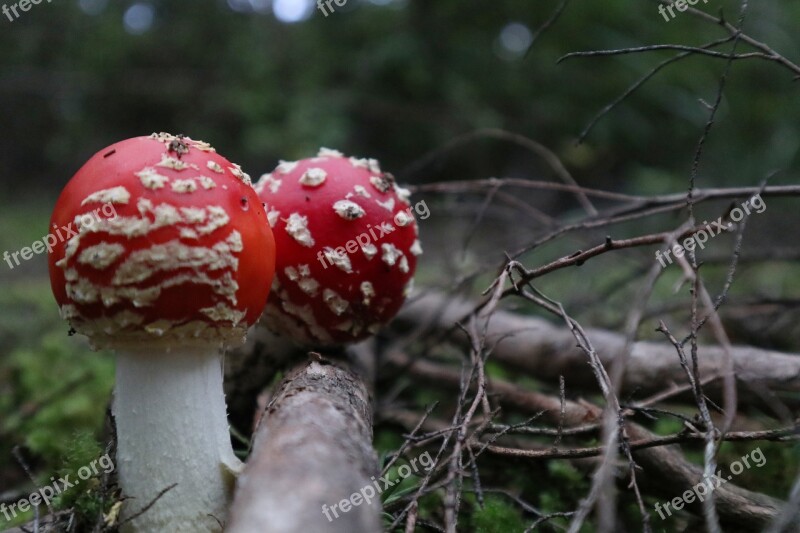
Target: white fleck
column 361, row 191
column 297, row 227
column 348, row 210
column 284, row 167
column 369, row 250
column 193, row 215
column 115, row 195
column 309, row 286
column 374, row 166
column 223, row 313
column 323, row 152
column 164, row 215
column 269, row 181
column 101, row 255
column 236, row 170
column 381, row 183
column 402, row 193
column 403, row 265
column 402, row 218
column 390, row 254
column 184, row 186
column 188, row 233
column 215, row 167
column 388, row 204
column 272, row 217
column 374, row 328
column 359, row 163
column 340, row 260
column 217, row 217
column 291, row 273
column 159, row 327
column 313, row 177
column 416, row 248
column 304, row 270
column 127, row 318
column 368, row 291
column 171, row 162
column 336, row 303
column 69, row 250
column 151, row 179
column 206, row 182
column 235, row 242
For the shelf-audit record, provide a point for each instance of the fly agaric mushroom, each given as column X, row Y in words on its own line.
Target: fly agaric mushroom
column 179, row 272
column 347, row 245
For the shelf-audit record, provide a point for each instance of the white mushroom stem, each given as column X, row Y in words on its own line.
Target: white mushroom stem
column 172, row 429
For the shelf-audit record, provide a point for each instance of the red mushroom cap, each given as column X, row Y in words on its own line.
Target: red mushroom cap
column 347, row 246
column 160, row 239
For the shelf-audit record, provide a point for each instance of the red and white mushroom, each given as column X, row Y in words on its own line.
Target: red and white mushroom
column 167, row 259
column 347, row 247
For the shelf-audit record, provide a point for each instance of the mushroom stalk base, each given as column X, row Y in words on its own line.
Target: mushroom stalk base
column 172, row 429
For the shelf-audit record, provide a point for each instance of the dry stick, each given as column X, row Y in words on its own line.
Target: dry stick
column 454, row 478
column 668, row 474
column 537, row 148
column 542, row 349
column 709, row 511
column 790, row 516
column 602, row 492
column 610, row 432
column 733, row 263
column 736, row 31
column 316, row 435
column 638, row 206
column 654, row 47
column 641, row 81
column 477, row 348
column 546, row 25
column 635, row 201
column 620, row 361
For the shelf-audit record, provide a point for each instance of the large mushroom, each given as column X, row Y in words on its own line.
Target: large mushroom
column 347, row 242
column 168, row 261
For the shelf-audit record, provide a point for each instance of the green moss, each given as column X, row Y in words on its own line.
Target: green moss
column 497, row 515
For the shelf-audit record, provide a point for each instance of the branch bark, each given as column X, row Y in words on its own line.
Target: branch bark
column 312, row 448
column 546, row 351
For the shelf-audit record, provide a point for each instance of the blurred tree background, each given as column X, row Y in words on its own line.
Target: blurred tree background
column 264, row 80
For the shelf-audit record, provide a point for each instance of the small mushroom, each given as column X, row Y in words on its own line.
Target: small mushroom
column 347, row 246
column 169, row 264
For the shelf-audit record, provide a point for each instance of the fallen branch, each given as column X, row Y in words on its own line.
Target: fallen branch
column 546, row 351
column 311, row 451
